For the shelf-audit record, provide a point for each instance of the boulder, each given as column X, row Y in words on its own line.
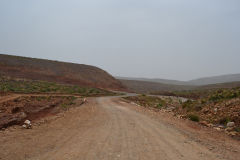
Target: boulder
column 9, row 119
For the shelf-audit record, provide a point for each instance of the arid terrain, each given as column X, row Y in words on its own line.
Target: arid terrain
column 57, row 110
column 120, row 80
column 109, row 128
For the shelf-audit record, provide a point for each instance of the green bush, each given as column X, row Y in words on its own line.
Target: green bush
column 187, row 104
column 160, row 105
column 193, row 117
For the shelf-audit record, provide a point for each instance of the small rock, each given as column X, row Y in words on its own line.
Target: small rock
column 217, row 128
column 24, row 126
column 27, row 124
column 230, row 124
column 215, row 109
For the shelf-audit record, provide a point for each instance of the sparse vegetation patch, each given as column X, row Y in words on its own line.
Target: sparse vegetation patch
column 26, row 86
column 214, row 108
column 193, row 117
column 152, row 101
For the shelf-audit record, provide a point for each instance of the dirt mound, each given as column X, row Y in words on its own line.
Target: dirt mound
column 15, row 111
column 61, row 72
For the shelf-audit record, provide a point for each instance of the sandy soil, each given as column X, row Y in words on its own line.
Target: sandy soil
column 107, row 128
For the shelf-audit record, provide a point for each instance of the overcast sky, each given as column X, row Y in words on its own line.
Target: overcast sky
column 174, row 39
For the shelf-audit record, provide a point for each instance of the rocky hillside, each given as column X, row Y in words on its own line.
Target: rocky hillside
column 218, row 109
column 60, row 72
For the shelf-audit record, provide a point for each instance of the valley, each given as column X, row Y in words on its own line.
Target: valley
column 86, row 118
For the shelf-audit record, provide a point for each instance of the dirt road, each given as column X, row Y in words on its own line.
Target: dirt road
column 107, row 129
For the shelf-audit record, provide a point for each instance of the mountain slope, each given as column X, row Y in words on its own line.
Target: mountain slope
column 54, row 71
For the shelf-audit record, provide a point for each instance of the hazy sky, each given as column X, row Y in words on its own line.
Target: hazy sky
column 175, row 39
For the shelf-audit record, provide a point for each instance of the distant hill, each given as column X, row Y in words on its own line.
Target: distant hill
column 54, row 71
column 141, row 86
column 148, row 87
column 215, row 79
column 220, row 85
column 156, row 80
column 196, row 82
